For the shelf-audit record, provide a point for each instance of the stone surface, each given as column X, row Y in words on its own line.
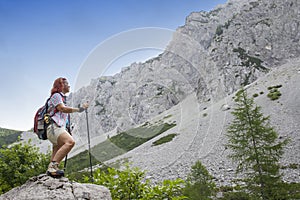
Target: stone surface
column 44, row 187
column 212, row 55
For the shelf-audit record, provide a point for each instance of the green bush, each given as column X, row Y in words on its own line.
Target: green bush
column 294, row 166
column 19, row 163
column 255, row 95
column 168, row 189
column 199, row 184
column 274, row 92
column 131, row 184
column 293, row 190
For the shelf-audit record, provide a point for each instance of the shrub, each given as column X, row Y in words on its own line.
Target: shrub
column 199, row 184
column 20, row 162
column 131, row 184
column 168, row 189
column 255, row 95
column 274, row 93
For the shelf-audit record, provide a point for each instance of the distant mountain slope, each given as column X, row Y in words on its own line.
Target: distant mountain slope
column 211, row 56
column 201, row 131
column 8, row 136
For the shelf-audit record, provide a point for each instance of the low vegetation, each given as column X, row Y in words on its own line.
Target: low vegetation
column 131, row 183
column 118, row 145
column 274, row 92
column 164, row 139
column 19, row 163
column 199, row 183
column 250, row 61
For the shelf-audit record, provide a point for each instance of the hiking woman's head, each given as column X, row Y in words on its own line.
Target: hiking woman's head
column 60, row 85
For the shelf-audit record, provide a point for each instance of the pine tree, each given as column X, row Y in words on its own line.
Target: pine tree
column 199, row 183
column 256, row 149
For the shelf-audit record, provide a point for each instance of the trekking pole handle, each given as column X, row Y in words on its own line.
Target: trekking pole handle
column 85, row 105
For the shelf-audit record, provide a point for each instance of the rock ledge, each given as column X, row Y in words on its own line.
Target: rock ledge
column 45, row 187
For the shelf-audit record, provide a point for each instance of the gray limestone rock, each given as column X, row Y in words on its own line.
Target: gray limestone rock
column 44, row 187
column 212, row 55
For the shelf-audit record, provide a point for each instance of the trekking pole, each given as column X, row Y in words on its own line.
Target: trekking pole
column 65, row 164
column 89, row 143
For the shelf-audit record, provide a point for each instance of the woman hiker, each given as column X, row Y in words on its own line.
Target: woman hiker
column 57, row 133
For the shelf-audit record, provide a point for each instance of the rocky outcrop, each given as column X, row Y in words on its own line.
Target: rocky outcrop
column 212, row 55
column 44, row 187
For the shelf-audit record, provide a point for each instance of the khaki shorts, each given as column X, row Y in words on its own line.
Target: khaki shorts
column 53, row 132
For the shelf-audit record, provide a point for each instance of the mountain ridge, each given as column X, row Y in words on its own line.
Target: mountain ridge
column 213, row 54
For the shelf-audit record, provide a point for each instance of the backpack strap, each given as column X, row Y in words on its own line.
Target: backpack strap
column 55, row 110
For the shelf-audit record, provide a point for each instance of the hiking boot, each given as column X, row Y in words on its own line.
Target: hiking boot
column 53, row 170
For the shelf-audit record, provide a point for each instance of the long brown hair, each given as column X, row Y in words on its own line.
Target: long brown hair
column 58, row 85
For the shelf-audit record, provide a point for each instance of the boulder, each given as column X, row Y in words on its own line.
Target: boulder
column 45, row 187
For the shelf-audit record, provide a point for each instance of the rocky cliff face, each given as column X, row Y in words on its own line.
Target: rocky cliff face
column 212, row 55
column 44, row 187
column 201, row 132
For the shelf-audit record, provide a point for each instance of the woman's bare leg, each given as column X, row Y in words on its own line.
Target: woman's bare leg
column 65, row 144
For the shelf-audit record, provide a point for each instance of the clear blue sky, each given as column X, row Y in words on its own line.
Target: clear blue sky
column 41, row 40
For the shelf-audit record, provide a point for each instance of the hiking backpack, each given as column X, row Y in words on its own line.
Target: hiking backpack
column 42, row 120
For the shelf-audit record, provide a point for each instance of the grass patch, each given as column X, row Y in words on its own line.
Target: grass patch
column 132, row 138
column 79, row 162
column 117, row 145
column 164, row 139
